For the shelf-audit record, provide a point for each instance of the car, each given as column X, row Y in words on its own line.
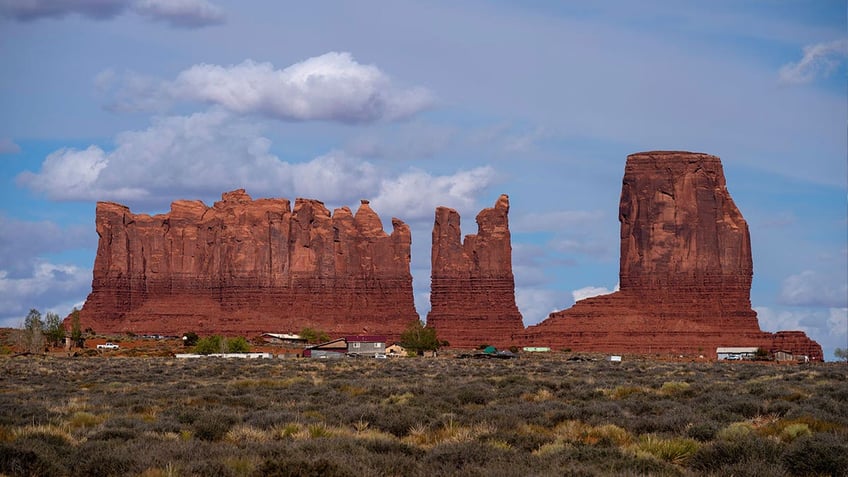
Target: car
column 380, row 356
column 108, row 346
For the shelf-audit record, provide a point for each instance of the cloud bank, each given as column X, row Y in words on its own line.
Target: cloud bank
column 207, row 153
column 330, row 87
column 176, row 13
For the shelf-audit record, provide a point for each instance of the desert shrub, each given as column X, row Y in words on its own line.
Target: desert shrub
column 213, row 426
column 585, row 460
column 475, row 393
column 471, row 458
column 299, row 467
column 268, row 418
column 674, row 450
column 676, row 388
column 720, row 455
column 113, row 434
column 106, row 458
column 702, row 431
column 817, row 454
column 17, row 459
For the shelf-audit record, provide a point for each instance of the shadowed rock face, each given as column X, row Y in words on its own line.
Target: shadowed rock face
column 472, row 292
column 685, row 273
column 248, row 266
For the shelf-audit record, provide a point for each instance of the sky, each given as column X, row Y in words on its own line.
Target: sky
column 415, row 105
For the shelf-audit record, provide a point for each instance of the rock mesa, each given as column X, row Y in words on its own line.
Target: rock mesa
column 472, row 293
column 247, row 266
column 685, row 270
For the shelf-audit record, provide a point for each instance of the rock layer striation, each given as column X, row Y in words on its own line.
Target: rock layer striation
column 472, row 295
column 248, row 266
column 685, row 270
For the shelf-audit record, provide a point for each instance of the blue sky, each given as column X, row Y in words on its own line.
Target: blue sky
column 418, row 104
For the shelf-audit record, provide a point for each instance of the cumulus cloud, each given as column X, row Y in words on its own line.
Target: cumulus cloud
column 206, row 153
column 828, row 326
column 330, row 87
column 414, row 195
column 811, row 288
column 49, row 287
column 7, row 146
column 819, row 61
column 837, row 323
column 23, row 241
column 177, row 13
column 536, row 304
column 590, row 291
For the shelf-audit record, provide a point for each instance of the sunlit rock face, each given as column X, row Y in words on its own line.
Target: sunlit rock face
column 685, row 271
column 472, row 293
column 248, row 266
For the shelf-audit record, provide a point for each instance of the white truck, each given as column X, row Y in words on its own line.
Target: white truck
column 108, row 346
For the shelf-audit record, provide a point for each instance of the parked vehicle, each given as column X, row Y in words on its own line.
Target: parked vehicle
column 108, row 346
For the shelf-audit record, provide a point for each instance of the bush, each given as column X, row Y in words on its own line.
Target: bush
column 817, row 454
column 209, row 345
column 238, row 345
column 213, row 426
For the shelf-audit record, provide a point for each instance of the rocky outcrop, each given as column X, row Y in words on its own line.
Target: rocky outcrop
column 472, row 293
column 246, row 266
column 685, row 271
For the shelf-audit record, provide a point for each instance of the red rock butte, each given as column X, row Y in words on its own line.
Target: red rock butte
column 249, row 266
column 472, row 291
column 685, row 271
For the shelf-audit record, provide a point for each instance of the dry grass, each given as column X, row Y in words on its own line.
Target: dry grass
column 536, row 416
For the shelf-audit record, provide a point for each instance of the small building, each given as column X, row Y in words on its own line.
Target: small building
column 366, row 345
column 336, row 348
column 283, row 339
column 784, row 355
column 735, row 354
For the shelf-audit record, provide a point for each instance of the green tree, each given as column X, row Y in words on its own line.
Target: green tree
column 209, row 345
column 841, row 354
column 218, row 344
column 238, row 345
column 76, row 329
column 314, row 336
column 33, row 332
column 55, row 329
column 418, row 338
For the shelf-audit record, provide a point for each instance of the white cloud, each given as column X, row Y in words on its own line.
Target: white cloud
column 829, row 327
column 819, row 60
column 207, row 153
column 414, row 195
column 330, row 87
column 7, row 146
column 837, row 324
column 536, row 304
column 811, row 288
column 45, row 288
column 590, row 291
column 177, row 13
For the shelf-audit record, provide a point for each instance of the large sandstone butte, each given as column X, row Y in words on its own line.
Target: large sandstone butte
column 472, row 291
column 248, row 266
column 685, row 275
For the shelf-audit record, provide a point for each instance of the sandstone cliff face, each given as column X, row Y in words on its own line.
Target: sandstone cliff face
column 472, row 292
column 685, row 272
column 249, row 266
